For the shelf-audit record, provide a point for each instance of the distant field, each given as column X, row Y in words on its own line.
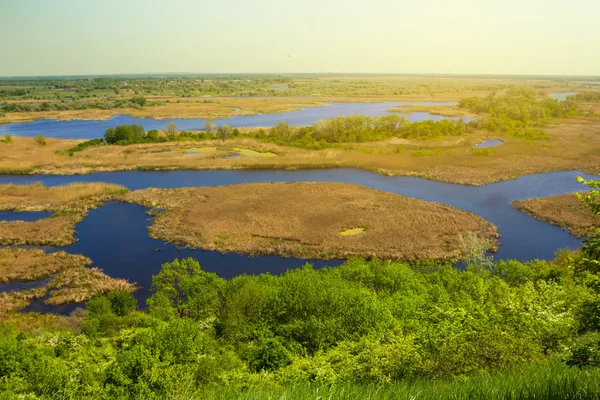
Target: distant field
column 309, row 220
column 220, row 96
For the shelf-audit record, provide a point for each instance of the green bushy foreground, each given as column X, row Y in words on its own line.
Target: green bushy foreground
column 367, row 329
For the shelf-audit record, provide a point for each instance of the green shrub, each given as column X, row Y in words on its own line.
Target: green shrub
column 40, row 139
column 268, row 355
column 482, row 152
column 122, row 302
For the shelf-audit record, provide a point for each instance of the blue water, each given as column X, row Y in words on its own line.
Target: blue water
column 79, row 129
column 27, row 216
column 115, row 236
column 489, row 143
column 561, row 96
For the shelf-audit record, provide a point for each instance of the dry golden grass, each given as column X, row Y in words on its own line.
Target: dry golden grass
column 563, row 210
column 574, row 144
column 305, row 219
column 70, row 280
column 55, row 231
column 15, row 301
column 448, row 111
column 37, row 197
column 70, row 204
column 32, row 264
column 74, row 285
column 35, row 322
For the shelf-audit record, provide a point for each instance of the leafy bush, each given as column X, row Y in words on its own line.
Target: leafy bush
column 40, row 139
column 482, row 152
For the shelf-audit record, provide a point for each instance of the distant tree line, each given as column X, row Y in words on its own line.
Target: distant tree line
column 64, row 105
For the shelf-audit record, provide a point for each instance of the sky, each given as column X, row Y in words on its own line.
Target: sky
column 87, row 37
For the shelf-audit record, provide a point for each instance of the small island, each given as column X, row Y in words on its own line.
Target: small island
column 311, row 220
column 564, row 210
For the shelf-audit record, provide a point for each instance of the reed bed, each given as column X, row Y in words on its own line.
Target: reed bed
column 305, row 220
column 32, row 264
column 69, row 203
column 564, row 210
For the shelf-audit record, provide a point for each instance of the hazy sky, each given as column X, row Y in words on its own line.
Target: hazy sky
column 62, row 37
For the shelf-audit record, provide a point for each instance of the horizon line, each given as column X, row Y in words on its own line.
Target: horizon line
column 303, row 73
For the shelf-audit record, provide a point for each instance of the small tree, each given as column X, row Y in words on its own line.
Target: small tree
column 171, row 129
column 181, row 288
column 122, row 302
column 210, row 126
column 590, row 251
column 40, row 139
column 224, row 131
column 8, row 138
column 592, row 199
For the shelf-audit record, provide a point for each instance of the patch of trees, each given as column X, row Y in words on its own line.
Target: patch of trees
column 361, row 128
column 518, row 113
column 587, row 96
column 64, row 105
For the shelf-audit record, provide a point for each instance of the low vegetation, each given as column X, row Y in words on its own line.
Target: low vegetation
column 564, row 210
column 32, row 264
column 567, row 210
column 69, row 203
column 63, row 278
column 304, row 220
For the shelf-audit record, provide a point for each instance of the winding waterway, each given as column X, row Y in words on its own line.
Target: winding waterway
column 90, row 129
column 115, row 236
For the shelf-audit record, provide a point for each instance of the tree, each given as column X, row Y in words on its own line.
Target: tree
column 152, row 134
column 224, row 131
column 182, row 288
column 210, row 126
column 122, row 302
column 590, row 251
column 593, row 198
column 171, row 129
column 141, row 100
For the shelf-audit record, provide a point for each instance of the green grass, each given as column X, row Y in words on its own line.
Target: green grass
column 254, row 153
column 550, row 380
column 205, row 149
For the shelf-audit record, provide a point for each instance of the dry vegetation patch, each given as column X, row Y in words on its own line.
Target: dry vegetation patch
column 74, row 285
column 15, row 301
column 69, row 203
column 32, row 264
column 67, row 278
column 305, row 220
column 563, row 210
